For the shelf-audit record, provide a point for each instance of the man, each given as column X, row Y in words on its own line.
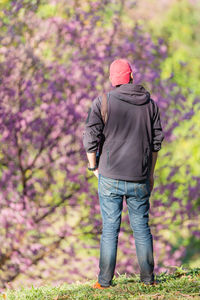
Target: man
column 132, row 138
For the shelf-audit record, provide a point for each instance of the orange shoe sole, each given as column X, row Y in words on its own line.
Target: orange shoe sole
column 99, row 287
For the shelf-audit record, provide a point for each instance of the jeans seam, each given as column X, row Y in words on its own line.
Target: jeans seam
column 125, row 187
column 116, row 189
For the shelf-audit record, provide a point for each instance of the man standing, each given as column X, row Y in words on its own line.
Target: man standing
column 132, row 136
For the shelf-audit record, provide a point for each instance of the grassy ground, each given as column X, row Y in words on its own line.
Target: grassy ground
column 182, row 284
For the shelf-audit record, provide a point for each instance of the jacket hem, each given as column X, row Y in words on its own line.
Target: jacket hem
column 122, row 177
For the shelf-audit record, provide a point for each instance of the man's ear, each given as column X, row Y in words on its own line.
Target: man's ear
column 131, row 78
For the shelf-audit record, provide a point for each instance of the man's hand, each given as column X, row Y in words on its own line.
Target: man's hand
column 151, row 179
column 92, row 162
column 96, row 173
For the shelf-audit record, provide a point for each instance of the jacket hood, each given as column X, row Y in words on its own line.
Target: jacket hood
column 132, row 93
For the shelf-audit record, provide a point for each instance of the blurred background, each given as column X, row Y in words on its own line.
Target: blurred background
column 54, row 61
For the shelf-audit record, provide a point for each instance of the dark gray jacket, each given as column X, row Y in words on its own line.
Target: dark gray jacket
column 132, row 131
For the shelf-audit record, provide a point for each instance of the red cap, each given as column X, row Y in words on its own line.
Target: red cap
column 120, row 71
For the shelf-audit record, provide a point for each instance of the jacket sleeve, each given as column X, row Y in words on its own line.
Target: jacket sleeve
column 157, row 132
column 93, row 127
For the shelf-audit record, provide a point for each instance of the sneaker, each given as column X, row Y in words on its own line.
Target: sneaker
column 98, row 286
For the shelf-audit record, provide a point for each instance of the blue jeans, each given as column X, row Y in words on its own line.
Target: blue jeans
column 111, row 192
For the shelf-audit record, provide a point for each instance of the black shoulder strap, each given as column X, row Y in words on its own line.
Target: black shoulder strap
column 104, row 108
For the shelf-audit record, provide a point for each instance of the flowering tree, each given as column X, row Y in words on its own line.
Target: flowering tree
column 54, row 61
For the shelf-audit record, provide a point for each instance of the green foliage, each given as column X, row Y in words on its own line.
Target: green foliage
column 181, row 284
column 4, row 4
column 47, row 11
column 180, row 30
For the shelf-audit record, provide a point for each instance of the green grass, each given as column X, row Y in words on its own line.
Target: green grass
column 182, row 284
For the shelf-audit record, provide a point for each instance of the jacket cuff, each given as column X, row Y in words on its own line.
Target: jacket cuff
column 90, row 151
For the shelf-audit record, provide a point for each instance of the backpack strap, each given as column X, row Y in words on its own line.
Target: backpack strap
column 104, row 108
